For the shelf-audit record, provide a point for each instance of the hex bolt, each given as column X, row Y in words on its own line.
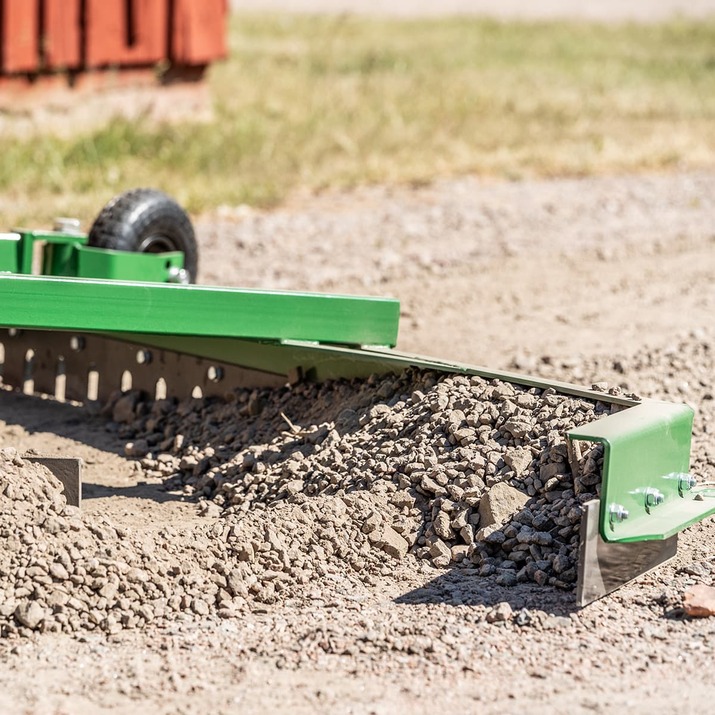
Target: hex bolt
column 64, row 224
column 686, row 482
column 178, row 275
column 653, row 497
column 617, row 513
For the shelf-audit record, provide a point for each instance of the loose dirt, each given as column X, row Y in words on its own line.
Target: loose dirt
column 329, row 559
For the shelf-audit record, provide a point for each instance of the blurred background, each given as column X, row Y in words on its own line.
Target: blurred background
column 275, row 96
column 608, row 10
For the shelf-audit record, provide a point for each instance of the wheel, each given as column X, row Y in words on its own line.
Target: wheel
column 146, row 221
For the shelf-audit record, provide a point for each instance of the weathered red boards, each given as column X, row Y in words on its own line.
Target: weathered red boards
column 19, row 36
column 197, row 31
column 126, row 32
column 45, row 36
column 62, row 25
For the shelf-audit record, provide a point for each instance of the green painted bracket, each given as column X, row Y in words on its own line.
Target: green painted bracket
column 49, row 303
column 107, row 264
column 68, row 255
column 10, row 245
column 645, row 491
column 59, row 243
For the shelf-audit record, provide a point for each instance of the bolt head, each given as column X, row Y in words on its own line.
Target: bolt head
column 179, row 275
column 687, row 482
column 618, row 513
column 654, row 497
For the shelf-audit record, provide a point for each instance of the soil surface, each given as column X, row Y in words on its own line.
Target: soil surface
column 607, row 279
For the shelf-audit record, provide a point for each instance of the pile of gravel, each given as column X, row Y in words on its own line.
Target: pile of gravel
column 455, row 469
column 60, row 571
column 337, row 484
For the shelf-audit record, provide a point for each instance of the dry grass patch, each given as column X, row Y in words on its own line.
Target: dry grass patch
column 336, row 101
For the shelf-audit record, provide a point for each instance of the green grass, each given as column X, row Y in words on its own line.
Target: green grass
column 322, row 102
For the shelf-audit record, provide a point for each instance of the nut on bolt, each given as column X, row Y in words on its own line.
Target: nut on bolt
column 617, row 513
column 178, row 275
column 653, row 497
column 686, row 482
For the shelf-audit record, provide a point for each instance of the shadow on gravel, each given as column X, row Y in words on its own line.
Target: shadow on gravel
column 37, row 414
column 464, row 587
column 151, row 492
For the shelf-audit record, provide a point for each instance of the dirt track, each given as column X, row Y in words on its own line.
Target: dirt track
column 497, row 274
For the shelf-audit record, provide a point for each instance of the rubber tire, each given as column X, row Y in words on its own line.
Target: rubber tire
column 146, row 221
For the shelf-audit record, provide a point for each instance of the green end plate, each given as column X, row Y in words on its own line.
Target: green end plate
column 645, row 493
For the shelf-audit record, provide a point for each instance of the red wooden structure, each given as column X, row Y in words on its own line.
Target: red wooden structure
column 73, row 37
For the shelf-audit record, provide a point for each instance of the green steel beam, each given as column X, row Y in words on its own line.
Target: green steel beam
column 111, row 306
column 645, row 493
column 67, row 255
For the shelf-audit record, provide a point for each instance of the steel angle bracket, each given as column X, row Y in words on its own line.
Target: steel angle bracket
column 647, row 495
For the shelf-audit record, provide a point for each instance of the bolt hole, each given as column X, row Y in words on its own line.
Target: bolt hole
column 60, row 379
column 215, row 373
column 144, row 357
column 28, row 383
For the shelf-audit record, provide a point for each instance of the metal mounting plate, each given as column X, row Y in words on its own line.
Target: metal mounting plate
column 68, row 471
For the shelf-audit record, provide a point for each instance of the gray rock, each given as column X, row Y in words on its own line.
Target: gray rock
column 124, row 408
column 441, row 553
column 499, row 613
column 392, row 543
column 500, row 503
column 30, row 614
column 519, row 459
column 443, row 527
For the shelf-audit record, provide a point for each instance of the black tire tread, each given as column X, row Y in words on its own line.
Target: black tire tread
column 121, row 224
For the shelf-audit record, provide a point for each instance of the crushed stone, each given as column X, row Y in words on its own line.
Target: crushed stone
column 331, row 483
column 316, row 491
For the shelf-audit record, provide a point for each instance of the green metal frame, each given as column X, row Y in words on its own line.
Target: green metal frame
column 107, row 264
column 55, row 253
column 10, row 247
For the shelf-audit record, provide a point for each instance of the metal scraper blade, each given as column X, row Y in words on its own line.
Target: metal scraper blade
column 604, row 566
